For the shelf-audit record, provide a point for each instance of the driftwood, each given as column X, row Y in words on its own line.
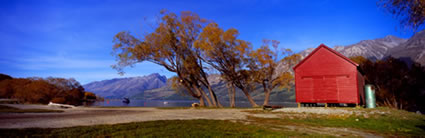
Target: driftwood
column 61, row 105
column 271, row 107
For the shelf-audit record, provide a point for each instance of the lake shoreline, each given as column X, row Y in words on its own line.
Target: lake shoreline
column 86, row 116
column 176, row 103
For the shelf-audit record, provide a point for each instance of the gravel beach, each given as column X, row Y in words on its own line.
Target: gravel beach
column 83, row 116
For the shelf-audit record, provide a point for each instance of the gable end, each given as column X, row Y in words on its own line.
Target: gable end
column 329, row 49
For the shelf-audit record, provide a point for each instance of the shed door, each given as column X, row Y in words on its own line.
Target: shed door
column 325, row 89
column 305, row 90
column 330, row 89
column 318, row 92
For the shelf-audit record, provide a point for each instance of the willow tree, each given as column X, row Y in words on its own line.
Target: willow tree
column 224, row 52
column 270, row 70
column 411, row 13
column 170, row 45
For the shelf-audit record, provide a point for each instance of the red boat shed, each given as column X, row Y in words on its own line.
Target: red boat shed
column 326, row 76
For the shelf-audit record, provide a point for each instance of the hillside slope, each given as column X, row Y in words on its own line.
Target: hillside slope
column 126, row 87
column 413, row 49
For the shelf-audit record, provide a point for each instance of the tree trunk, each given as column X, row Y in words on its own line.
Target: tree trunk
column 211, row 91
column 231, row 90
column 207, row 98
column 202, row 93
column 201, row 102
column 213, row 97
column 233, row 96
column 266, row 96
column 245, row 91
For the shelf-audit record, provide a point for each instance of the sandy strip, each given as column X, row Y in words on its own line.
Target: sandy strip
column 84, row 116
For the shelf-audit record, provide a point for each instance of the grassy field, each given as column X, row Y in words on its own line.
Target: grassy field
column 8, row 109
column 171, row 128
column 380, row 121
column 371, row 122
column 200, row 108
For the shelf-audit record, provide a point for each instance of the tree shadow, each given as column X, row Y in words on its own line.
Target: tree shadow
column 422, row 126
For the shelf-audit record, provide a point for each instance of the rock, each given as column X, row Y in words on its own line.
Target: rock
column 195, row 105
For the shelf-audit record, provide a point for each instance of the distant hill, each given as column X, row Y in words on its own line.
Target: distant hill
column 413, row 49
column 126, row 87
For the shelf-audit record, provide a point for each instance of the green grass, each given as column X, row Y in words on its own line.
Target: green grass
column 380, row 121
column 393, row 123
column 170, row 128
column 383, row 125
column 8, row 109
column 218, row 108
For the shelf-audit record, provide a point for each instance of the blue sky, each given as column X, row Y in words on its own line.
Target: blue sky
column 73, row 38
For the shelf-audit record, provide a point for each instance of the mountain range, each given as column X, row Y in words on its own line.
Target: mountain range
column 412, row 49
column 168, row 93
column 156, row 87
column 126, row 87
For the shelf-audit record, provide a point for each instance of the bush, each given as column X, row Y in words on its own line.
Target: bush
column 398, row 85
column 39, row 90
column 5, row 77
column 60, row 100
column 89, row 96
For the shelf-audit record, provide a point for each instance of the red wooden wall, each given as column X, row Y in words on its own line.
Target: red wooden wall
column 325, row 76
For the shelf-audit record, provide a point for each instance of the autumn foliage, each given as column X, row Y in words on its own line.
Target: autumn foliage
column 39, row 90
column 411, row 13
column 224, row 52
column 170, row 45
column 189, row 46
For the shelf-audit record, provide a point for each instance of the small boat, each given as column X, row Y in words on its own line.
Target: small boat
column 165, row 102
column 126, row 100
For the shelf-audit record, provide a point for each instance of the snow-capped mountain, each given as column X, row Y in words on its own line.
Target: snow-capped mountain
column 409, row 50
column 414, row 48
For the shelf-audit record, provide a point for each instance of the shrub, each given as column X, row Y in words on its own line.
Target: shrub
column 60, row 100
column 39, row 90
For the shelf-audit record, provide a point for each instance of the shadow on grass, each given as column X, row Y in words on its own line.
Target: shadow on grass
column 422, row 126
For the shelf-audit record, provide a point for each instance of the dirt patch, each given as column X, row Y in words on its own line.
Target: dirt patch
column 319, row 110
column 94, row 116
column 338, row 132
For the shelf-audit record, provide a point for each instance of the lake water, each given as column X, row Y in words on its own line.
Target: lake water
column 176, row 103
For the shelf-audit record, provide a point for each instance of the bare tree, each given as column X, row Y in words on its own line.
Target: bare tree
column 270, row 70
column 410, row 12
